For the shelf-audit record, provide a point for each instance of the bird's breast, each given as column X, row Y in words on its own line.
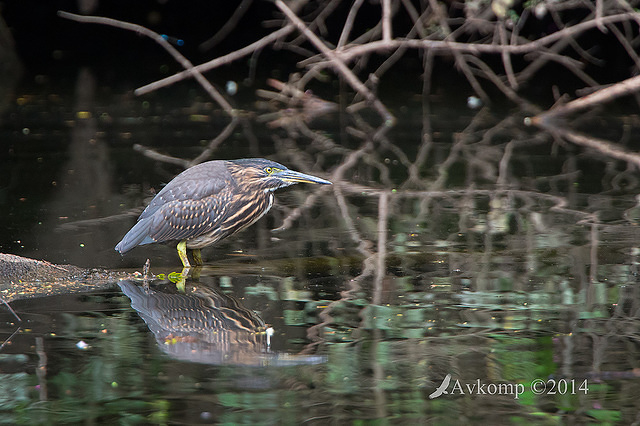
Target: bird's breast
column 240, row 213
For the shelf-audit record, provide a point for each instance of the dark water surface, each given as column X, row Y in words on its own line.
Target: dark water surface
column 466, row 249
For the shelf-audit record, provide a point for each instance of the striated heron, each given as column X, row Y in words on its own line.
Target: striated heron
column 209, row 202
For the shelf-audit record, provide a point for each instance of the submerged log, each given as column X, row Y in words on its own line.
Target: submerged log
column 21, row 277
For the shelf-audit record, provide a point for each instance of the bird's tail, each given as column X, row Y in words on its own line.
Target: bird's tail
column 137, row 235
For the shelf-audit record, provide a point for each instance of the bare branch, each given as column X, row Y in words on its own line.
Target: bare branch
column 190, row 69
column 217, row 62
column 607, row 94
column 155, row 155
column 228, row 26
column 348, row 25
column 357, row 85
column 352, row 51
column 386, row 20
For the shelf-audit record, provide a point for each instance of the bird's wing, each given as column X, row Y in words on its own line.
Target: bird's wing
column 182, row 219
column 196, row 183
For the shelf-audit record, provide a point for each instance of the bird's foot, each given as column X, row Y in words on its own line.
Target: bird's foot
column 178, row 278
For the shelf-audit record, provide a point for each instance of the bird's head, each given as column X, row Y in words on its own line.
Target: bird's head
column 268, row 175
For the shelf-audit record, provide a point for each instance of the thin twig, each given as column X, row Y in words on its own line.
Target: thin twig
column 155, row 155
column 186, row 64
column 352, row 51
column 100, row 221
column 607, row 94
column 381, row 255
column 10, row 309
column 598, row 19
column 415, row 17
column 215, row 142
column 386, row 20
column 348, row 25
column 338, row 64
column 228, row 26
column 510, row 93
column 318, row 21
column 600, row 145
column 506, row 58
column 8, row 339
column 461, row 60
column 217, row 62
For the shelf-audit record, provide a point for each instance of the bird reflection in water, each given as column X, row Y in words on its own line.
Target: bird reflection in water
column 206, row 326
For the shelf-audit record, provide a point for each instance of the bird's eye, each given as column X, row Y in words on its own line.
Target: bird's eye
column 269, row 170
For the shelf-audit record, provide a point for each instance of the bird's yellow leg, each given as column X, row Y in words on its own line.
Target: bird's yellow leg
column 182, row 252
column 197, row 257
column 195, row 274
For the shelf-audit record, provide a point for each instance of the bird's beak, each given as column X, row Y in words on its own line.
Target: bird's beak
column 297, row 177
